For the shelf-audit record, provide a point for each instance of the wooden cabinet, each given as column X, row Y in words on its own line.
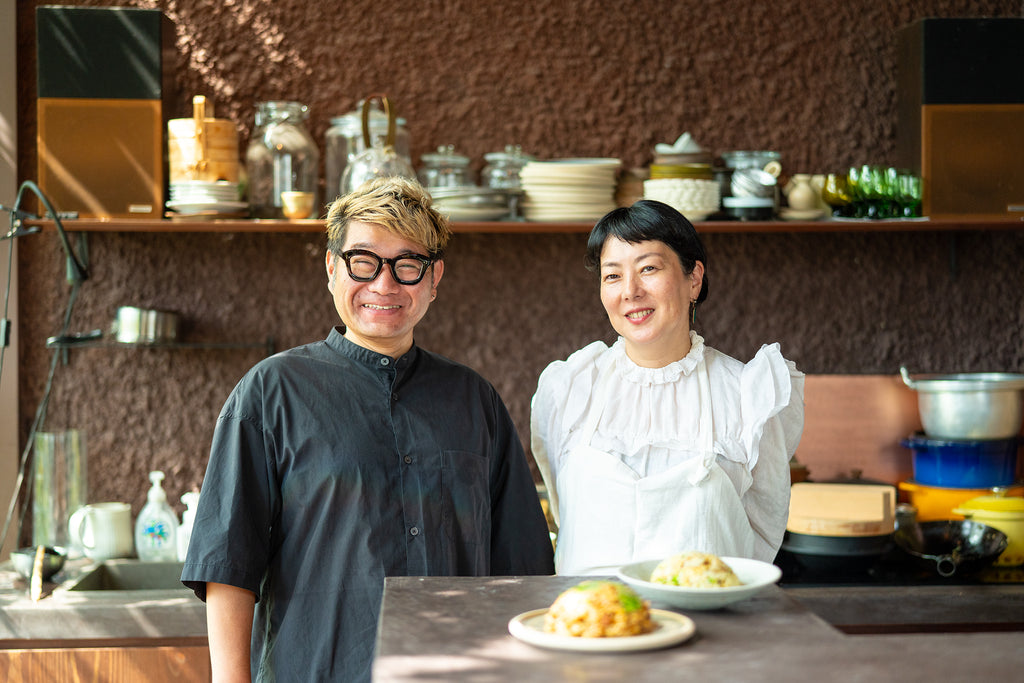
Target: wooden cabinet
column 186, row 659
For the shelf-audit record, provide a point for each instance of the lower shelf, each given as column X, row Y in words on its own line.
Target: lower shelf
column 267, row 345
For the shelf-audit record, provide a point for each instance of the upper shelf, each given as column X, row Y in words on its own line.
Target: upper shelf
column 529, row 227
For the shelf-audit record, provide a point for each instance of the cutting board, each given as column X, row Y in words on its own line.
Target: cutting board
column 842, row 509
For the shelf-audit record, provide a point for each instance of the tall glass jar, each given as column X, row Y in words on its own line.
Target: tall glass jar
column 344, row 140
column 281, row 157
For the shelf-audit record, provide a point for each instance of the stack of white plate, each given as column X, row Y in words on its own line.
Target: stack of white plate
column 471, row 203
column 198, row 197
column 568, row 189
column 694, row 198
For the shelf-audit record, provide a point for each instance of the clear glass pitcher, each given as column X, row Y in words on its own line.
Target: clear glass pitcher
column 344, row 141
column 379, row 158
column 281, row 157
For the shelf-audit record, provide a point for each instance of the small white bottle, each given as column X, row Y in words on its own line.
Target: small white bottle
column 157, row 525
column 190, row 499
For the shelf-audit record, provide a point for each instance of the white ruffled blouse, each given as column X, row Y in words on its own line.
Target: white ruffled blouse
column 650, row 422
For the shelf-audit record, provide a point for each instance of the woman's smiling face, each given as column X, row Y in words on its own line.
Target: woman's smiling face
column 647, row 297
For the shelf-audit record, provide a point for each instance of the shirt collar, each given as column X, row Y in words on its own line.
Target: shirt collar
column 663, row 375
column 337, row 341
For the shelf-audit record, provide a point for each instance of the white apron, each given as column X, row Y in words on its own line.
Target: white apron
column 611, row 516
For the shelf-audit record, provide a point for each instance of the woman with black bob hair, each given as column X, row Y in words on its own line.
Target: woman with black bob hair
column 648, row 220
column 659, row 444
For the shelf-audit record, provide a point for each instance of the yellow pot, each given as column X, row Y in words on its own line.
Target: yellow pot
column 936, row 503
column 1002, row 512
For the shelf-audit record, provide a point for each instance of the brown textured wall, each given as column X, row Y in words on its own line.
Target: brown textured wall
column 813, row 79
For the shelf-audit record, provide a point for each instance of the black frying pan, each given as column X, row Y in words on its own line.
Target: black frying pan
column 952, row 546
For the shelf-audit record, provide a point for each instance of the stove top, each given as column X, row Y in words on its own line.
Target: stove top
column 892, row 568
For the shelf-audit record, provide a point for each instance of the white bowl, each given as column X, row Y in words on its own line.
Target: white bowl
column 754, row 574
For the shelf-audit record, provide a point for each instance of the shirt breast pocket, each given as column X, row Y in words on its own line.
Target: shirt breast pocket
column 466, row 508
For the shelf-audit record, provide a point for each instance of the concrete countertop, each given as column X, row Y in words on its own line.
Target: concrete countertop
column 87, row 618
column 455, row 629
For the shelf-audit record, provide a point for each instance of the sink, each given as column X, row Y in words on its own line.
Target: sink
column 131, row 575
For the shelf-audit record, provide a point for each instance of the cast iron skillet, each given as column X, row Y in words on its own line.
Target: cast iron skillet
column 952, row 546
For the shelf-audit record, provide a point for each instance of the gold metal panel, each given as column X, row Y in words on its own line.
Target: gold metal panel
column 972, row 160
column 102, row 157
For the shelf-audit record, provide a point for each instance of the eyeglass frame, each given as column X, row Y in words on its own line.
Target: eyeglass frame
column 427, row 261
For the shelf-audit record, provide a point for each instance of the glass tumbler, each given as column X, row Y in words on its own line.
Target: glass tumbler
column 59, row 485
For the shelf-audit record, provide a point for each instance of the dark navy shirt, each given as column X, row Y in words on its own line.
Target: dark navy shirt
column 333, row 466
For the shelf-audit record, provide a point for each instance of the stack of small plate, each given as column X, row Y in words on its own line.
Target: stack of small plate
column 569, row 189
column 472, row 203
column 206, row 198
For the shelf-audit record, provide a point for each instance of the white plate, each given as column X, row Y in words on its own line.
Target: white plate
column 754, row 574
column 198, row 207
column 464, row 213
column 670, row 629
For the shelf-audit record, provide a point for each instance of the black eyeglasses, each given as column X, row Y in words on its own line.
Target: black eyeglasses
column 365, row 266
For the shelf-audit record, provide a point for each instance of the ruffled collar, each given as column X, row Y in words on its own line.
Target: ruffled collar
column 663, row 375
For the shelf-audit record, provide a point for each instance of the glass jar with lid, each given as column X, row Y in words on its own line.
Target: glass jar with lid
column 281, row 157
column 502, row 173
column 445, row 168
column 502, row 169
column 344, row 140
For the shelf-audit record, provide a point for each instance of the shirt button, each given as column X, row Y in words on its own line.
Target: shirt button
column 415, row 531
column 407, row 459
column 385, row 361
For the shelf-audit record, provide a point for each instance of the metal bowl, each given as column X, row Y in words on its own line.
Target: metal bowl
column 969, row 406
column 24, row 559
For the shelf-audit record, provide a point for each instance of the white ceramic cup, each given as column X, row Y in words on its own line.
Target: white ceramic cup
column 103, row 530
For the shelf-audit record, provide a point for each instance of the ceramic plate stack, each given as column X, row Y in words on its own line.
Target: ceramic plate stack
column 571, row 190
column 471, row 203
column 206, row 199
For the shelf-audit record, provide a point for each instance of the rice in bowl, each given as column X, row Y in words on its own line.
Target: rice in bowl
column 695, row 570
column 599, row 609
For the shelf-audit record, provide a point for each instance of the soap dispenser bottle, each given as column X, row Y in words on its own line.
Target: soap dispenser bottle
column 190, row 499
column 157, row 525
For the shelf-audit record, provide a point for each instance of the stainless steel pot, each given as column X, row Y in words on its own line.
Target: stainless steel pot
column 134, row 325
column 969, row 406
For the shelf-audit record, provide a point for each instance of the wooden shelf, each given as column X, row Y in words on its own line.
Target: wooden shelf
column 527, row 227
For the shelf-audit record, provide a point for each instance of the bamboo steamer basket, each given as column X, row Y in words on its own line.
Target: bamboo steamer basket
column 202, row 147
column 848, row 510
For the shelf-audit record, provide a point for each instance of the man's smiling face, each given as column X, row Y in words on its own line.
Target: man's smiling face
column 380, row 315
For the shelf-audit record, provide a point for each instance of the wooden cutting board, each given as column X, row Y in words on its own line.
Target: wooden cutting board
column 842, row 509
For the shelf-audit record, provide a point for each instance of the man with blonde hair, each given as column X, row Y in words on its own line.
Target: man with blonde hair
column 340, row 462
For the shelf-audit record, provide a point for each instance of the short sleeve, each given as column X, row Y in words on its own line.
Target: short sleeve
column 771, row 387
column 230, row 540
column 772, row 395
column 563, row 393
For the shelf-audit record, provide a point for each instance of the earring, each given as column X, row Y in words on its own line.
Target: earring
column 693, row 312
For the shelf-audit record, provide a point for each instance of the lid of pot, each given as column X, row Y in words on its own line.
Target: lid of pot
column 1001, row 505
column 841, row 509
